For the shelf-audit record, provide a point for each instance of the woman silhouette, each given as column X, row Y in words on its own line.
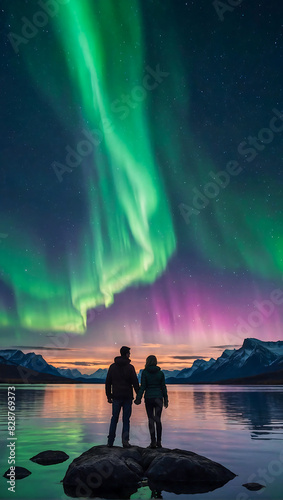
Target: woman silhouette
column 153, row 383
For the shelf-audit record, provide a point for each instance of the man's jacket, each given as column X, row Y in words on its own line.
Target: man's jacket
column 121, row 378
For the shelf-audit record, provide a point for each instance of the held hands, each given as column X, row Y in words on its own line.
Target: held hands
column 137, row 401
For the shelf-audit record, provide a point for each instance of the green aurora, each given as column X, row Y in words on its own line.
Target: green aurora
column 128, row 236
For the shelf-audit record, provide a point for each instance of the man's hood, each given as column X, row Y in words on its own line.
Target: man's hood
column 122, row 360
column 153, row 369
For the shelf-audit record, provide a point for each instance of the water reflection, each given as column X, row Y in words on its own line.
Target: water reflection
column 156, row 494
column 28, row 401
column 75, row 418
column 154, row 489
column 260, row 412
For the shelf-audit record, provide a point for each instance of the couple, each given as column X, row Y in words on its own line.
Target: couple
column 120, row 380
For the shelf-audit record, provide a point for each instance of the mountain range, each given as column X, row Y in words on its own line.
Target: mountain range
column 255, row 358
column 17, row 367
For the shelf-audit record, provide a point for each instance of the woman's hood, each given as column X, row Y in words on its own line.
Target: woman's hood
column 152, row 369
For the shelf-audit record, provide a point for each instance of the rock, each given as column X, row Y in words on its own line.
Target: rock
column 103, row 470
column 253, row 486
column 184, row 472
column 20, row 473
column 183, row 466
column 50, row 457
column 134, row 466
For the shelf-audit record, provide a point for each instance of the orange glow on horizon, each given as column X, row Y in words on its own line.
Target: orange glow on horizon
column 174, row 357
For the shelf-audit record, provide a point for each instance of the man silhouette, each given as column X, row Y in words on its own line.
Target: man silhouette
column 120, row 380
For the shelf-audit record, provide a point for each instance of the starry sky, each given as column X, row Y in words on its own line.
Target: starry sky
column 141, row 178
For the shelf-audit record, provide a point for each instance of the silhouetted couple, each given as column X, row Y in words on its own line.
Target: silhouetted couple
column 120, row 381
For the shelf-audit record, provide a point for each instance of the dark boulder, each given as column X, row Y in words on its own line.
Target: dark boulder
column 183, row 466
column 20, row 472
column 50, row 457
column 105, row 471
column 253, row 486
column 184, row 472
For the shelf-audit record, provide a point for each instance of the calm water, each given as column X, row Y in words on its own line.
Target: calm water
column 240, row 427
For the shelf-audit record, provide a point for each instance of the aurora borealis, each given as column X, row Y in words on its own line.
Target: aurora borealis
column 118, row 120
column 119, row 240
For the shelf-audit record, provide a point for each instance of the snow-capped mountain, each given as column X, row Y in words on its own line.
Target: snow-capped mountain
column 37, row 362
column 74, row 373
column 253, row 358
column 31, row 360
column 71, row 373
column 100, row 373
column 198, row 365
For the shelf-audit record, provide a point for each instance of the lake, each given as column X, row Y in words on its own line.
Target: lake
column 239, row 427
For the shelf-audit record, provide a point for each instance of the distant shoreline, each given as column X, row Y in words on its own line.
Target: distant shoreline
column 102, row 382
column 10, row 375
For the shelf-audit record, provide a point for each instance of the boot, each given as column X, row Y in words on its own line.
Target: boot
column 127, row 445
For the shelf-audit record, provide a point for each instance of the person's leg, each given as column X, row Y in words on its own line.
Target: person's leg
column 149, row 405
column 116, row 408
column 158, row 411
column 127, row 411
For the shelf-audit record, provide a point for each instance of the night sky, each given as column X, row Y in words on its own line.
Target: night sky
column 141, row 178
